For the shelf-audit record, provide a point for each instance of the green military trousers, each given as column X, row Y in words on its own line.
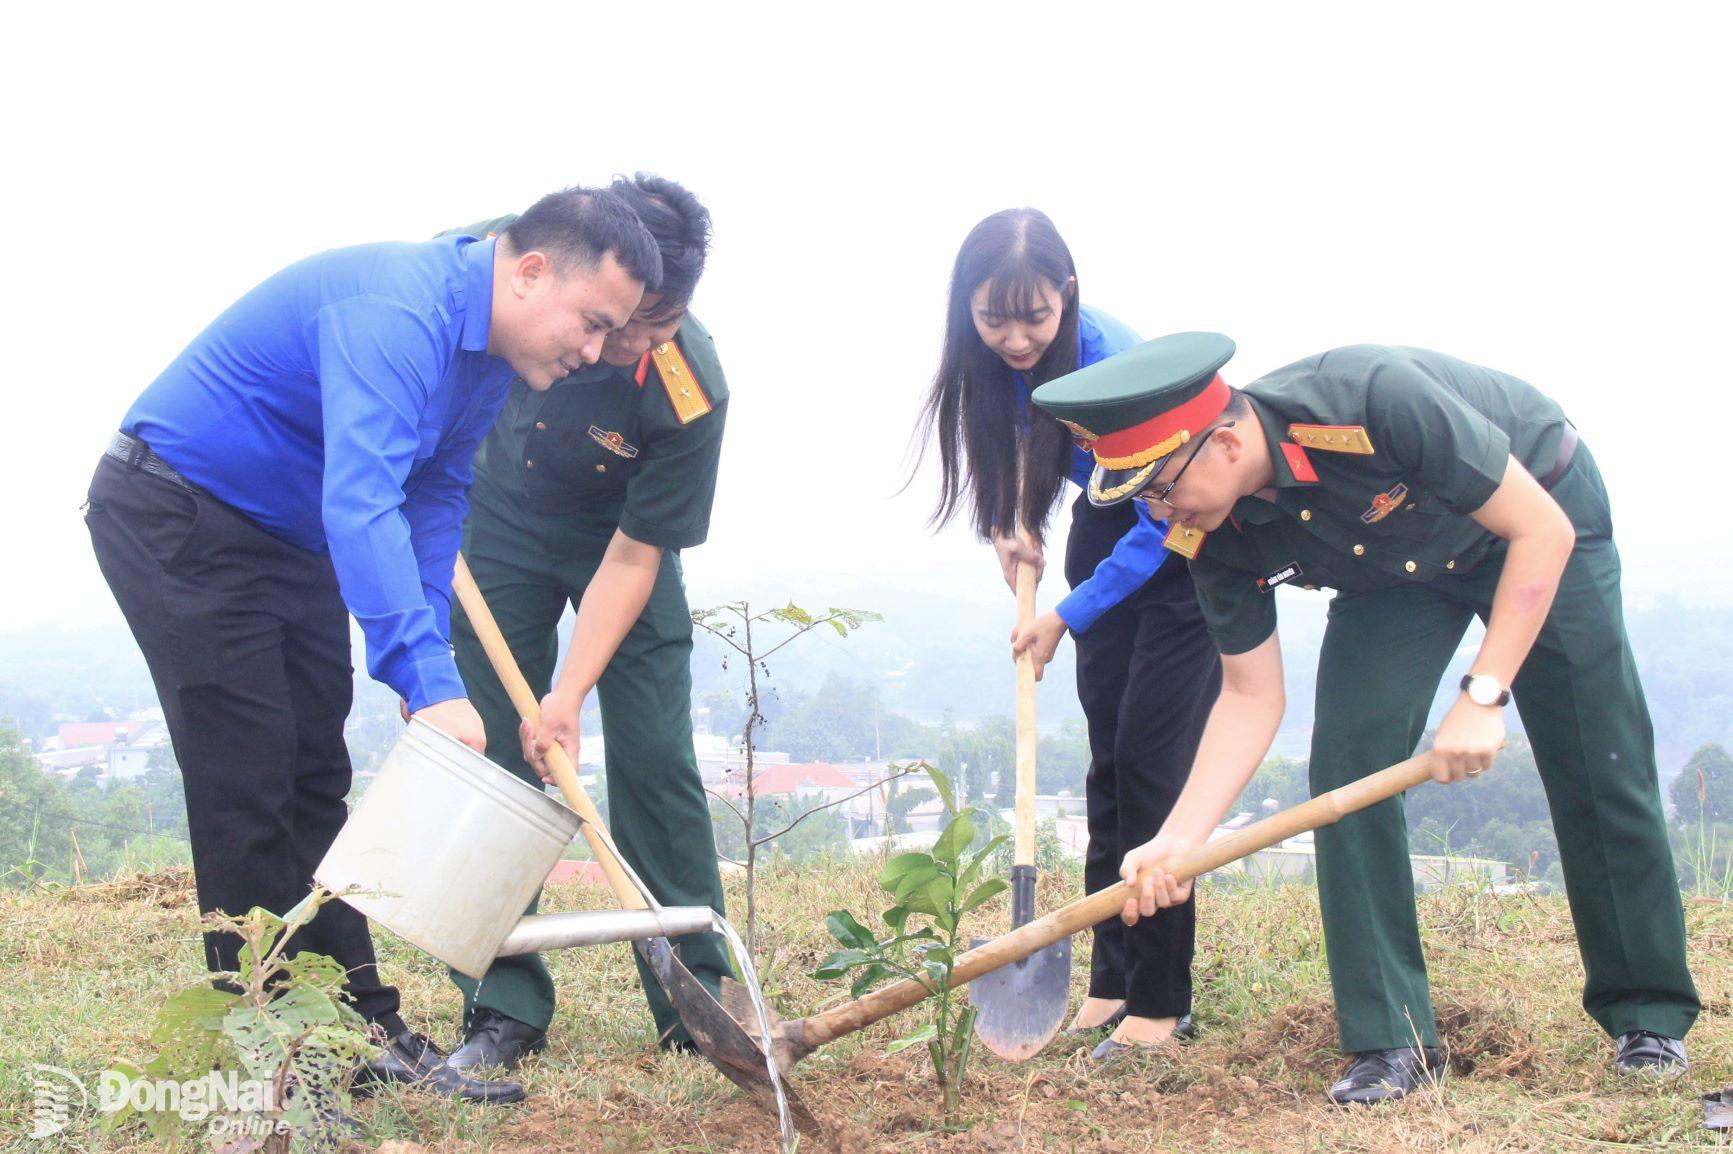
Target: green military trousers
column 657, row 810
column 1583, row 709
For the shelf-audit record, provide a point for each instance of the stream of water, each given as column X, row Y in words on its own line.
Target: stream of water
column 748, row 975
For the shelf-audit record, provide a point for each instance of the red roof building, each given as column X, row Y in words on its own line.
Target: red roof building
column 74, row 734
column 808, row 777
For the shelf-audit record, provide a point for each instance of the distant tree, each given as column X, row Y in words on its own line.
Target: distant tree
column 824, row 834
column 835, row 724
column 995, row 756
column 904, row 739
column 1283, row 778
column 1062, row 760
column 1704, row 786
column 1511, row 791
column 31, row 712
column 902, row 801
column 727, row 713
column 34, row 843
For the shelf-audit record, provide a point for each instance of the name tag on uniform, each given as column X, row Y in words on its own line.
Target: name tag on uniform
column 1289, row 572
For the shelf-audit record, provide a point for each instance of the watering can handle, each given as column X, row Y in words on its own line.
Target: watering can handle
column 523, row 698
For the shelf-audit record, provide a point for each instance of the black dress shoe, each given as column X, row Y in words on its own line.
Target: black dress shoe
column 1386, row 1075
column 413, row 1060
column 496, row 1042
column 1646, row 1052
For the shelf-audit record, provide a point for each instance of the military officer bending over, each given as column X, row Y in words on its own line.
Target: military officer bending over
column 1425, row 491
column 585, row 495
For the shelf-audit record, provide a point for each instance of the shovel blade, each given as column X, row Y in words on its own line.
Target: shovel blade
column 719, row 1037
column 1022, row 1004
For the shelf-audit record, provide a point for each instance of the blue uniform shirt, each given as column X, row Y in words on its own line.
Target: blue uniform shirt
column 337, row 405
column 1138, row 554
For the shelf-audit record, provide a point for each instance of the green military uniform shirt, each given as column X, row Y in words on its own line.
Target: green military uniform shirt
column 610, row 447
column 636, row 449
column 1379, row 454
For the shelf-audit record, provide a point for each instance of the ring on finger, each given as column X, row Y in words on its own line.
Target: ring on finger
column 1477, row 772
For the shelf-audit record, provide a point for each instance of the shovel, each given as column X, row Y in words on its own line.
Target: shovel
column 1021, row 1005
column 718, row 1036
column 796, row 1039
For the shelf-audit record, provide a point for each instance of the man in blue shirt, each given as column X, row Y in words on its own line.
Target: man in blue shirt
column 307, row 454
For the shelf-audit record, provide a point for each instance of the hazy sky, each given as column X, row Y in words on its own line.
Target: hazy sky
column 1539, row 188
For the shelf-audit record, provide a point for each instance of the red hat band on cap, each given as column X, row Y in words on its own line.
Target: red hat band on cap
column 1163, row 433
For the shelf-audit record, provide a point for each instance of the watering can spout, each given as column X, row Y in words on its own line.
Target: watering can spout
column 538, row 932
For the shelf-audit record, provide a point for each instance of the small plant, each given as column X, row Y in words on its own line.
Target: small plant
column 265, row 1066
column 933, row 892
column 1710, row 865
column 734, row 624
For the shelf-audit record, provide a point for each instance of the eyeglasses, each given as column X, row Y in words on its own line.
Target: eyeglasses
column 1151, row 496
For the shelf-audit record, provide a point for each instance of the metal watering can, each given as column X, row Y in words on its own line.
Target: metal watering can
column 446, row 849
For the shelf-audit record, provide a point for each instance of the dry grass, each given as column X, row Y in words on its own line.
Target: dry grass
column 81, row 973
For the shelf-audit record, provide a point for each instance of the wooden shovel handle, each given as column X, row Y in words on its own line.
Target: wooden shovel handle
column 1324, row 809
column 523, row 698
column 1024, row 842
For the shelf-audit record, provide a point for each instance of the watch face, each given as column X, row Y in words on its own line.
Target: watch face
column 1483, row 690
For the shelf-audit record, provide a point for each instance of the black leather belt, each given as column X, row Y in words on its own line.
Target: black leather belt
column 1567, row 448
column 135, row 454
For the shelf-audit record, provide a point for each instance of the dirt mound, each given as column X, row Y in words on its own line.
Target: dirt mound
column 1481, row 1039
column 168, row 888
column 1302, row 1034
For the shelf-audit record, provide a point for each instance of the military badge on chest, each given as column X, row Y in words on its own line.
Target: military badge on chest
column 1385, row 504
column 613, row 442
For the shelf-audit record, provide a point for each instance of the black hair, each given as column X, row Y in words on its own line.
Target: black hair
column 681, row 228
column 581, row 226
column 1237, row 406
column 972, row 407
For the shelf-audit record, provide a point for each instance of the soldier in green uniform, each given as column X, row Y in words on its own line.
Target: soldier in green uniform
column 1426, row 491
column 585, row 494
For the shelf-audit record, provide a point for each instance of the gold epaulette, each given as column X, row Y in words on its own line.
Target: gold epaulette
column 1186, row 542
column 684, row 391
column 1333, row 438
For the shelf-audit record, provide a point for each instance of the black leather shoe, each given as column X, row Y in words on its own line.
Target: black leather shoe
column 1387, row 1075
column 1646, row 1052
column 496, row 1042
column 413, row 1060
column 1183, row 1029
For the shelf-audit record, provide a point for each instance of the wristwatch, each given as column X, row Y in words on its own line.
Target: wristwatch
column 1484, row 689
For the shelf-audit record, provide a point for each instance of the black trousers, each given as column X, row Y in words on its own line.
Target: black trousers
column 1147, row 675
column 247, row 640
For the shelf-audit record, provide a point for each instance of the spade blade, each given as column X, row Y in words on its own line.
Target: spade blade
column 719, row 1037
column 1022, row 1004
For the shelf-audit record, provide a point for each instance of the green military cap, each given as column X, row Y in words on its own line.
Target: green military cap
column 1134, row 409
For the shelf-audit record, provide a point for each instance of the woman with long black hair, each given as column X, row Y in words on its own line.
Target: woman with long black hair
column 1147, row 672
